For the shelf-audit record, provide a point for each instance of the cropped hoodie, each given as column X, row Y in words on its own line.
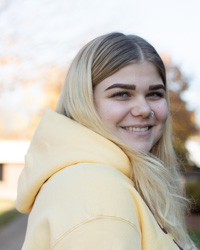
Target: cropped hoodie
column 77, row 188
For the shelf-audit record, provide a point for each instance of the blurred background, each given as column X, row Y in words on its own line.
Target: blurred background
column 40, row 38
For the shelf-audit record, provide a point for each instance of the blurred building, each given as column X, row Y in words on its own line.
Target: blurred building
column 11, row 164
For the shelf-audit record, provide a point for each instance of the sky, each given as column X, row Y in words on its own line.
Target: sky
column 44, row 32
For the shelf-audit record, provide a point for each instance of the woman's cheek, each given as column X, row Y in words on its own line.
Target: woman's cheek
column 162, row 111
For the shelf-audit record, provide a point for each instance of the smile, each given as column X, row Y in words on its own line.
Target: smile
column 136, row 129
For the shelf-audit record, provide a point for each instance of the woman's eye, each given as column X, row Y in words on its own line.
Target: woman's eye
column 156, row 94
column 121, row 94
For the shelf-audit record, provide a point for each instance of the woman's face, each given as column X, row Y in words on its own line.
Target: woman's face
column 124, row 102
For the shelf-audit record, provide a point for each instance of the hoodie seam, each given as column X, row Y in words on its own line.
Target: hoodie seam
column 99, row 217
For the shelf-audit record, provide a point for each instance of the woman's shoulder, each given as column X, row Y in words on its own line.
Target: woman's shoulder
column 90, row 179
column 94, row 178
column 85, row 192
column 93, row 188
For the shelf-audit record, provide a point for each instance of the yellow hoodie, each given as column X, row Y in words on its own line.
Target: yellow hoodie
column 76, row 185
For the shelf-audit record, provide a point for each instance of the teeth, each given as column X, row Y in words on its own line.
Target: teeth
column 137, row 129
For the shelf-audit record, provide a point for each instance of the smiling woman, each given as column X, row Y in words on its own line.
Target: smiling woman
column 101, row 171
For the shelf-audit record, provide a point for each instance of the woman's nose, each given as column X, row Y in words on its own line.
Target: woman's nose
column 140, row 107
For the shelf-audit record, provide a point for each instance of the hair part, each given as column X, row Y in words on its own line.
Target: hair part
column 155, row 175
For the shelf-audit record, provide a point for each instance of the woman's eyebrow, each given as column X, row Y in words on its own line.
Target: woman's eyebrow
column 155, row 87
column 121, row 86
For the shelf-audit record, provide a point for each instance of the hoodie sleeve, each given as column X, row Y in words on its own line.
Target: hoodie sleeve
column 101, row 234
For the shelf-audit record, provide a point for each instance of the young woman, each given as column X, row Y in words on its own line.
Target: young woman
column 101, row 170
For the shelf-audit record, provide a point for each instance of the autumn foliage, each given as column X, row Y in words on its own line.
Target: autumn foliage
column 182, row 119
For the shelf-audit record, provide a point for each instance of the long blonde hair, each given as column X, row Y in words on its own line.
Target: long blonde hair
column 155, row 175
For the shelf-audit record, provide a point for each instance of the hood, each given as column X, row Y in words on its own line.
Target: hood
column 60, row 142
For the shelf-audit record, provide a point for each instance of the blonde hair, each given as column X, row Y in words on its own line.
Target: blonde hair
column 155, row 175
